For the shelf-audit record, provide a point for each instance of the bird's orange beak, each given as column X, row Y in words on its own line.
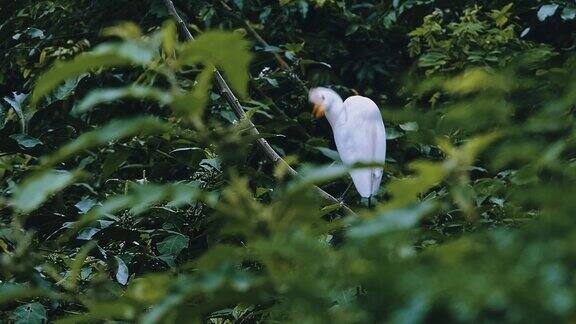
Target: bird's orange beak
column 319, row 110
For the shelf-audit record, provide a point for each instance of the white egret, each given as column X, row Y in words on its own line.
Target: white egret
column 359, row 134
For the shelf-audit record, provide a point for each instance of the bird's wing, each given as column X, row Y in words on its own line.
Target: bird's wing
column 362, row 138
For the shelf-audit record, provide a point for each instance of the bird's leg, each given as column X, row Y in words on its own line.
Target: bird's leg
column 369, row 201
column 345, row 191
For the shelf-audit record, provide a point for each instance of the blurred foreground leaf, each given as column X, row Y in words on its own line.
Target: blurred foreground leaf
column 39, row 187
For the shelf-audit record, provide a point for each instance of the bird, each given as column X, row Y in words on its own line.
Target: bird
column 359, row 134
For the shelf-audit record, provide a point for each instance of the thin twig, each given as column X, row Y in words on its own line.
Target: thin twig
column 279, row 111
column 281, row 62
column 239, row 111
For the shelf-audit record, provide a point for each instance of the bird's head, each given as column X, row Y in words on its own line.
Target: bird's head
column 323, row 99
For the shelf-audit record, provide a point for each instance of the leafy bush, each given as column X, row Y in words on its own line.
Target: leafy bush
column 476, row 39
column 132, row 193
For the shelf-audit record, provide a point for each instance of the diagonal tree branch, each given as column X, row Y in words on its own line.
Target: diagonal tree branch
column 239, row 111
column 281, row 62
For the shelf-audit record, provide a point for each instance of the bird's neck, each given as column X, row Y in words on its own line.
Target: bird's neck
column 335, row 112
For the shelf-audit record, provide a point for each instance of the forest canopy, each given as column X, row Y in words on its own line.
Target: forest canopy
column 155, row 176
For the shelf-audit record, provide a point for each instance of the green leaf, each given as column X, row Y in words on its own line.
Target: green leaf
column 32, row 313
column 100, row 96
column 169, row 38
column 433, row 59
column 172, row 246
column 66, row 89
column 501, row 16
column 114, row 161
column 525, row 32
column 391, row 221
column 208, row 50
column 168, row 259
column 475, row 80
column 568, row 13
column 329, row 153
column 352, row 29
column 316, row 175
column 88, row 233
column 239, row 3
column 122, row 273
column 211, row 164
column 2, row 117
column 113, row 131
column 409, row 126
column 85, row 205
column 150, row 288
column 305, row 62
column 329, row 209
column 10, row 292
column 160, row 310
column 392, row 133
column 547, row 11
column 126, row 30
column 97, row 312
column 464, row 197
column 261, row 191
column 77, row 264
column 34, row 32
column 467, row 154
column 406, row 190
column 26, row 141
column 36, row 189
column 16, row 102
column 147, row 196
column 103, row 56
column 192, row 104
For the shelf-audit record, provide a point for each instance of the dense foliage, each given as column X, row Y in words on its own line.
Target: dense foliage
column 131, row 191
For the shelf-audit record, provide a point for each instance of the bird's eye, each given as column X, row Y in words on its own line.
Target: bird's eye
column 323, row 97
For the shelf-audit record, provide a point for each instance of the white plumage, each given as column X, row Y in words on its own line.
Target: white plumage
column 359, row 134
